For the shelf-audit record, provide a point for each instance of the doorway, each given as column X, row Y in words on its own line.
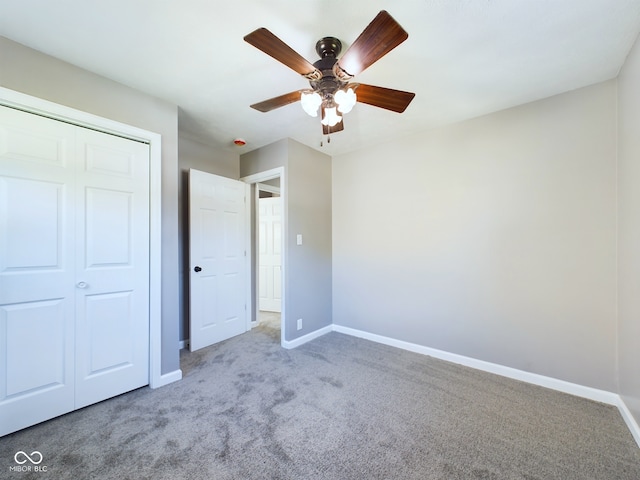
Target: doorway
column 271, row 182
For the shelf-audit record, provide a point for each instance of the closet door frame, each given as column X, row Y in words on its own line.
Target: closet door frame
column 38, row 106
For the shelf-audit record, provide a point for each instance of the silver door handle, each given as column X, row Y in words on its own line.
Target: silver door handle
column 82, row 285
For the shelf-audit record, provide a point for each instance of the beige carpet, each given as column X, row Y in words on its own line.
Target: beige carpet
column 269, row 319
column 336, row 408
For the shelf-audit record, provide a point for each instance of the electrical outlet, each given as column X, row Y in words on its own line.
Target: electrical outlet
column 299, row 324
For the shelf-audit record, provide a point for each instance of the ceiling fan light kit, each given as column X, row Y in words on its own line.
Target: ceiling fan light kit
column 329, row 77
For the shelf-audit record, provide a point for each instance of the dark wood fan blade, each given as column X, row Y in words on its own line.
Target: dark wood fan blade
column 278, row 102
column 387, row 98
column 381, row 36
column 266, row 41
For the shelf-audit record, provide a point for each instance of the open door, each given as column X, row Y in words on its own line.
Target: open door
column 218, row 279
column 270, row 254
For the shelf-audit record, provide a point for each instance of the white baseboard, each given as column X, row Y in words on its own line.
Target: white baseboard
column 541, row 380
column 629, row 420
column 590, row 393
column 183, row 344
column 307, row 338
column 167, row 378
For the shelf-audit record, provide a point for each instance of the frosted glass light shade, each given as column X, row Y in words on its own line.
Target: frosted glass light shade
column 345, row 100
column 331, row 117
column 310, row 101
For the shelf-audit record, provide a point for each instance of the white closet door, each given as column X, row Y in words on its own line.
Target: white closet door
column 112, row 266
column 74, row 267
column 37, row 274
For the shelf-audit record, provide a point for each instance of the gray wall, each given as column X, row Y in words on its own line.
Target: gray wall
column 308, row 207
column 266, row 158
column 494, row 238
column 629, row 231
column 195, row 154
column 31, row 72
column 309, row 265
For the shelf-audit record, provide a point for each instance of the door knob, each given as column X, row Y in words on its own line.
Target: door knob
column 82, row 285
column 197, row 269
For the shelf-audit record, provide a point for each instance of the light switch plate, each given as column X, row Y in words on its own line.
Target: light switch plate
column 299, row 239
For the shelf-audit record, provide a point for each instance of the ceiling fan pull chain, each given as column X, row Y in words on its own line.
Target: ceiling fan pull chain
column 328, row 141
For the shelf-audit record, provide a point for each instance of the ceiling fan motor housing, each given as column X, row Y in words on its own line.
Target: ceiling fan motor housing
column 328, row 49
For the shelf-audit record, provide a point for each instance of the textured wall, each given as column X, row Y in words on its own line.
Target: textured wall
column 494, row 238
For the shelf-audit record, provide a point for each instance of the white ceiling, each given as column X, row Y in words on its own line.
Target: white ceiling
column 463, row 58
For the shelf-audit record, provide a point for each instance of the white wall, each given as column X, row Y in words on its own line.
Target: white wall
column 494, row 238
column 629, row 231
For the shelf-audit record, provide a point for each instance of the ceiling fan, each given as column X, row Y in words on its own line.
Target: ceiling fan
column 330, row 78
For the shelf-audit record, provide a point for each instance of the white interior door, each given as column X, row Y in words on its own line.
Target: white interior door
column 74, row 267
column 37, row 276
column 112, row 266
column 270, row 254
column 218, row 280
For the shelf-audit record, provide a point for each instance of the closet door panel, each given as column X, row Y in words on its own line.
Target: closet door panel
column 37, row 239
column 34, row 330
column 108, row 315
column 112, row 267
column 109, row 216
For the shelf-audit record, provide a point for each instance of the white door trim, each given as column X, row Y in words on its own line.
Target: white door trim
column 263, row 177
column 27, row 103
column 268, row 188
